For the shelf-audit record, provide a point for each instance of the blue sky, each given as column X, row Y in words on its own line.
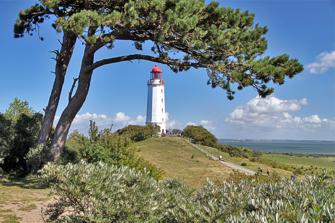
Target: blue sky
column 303, row 108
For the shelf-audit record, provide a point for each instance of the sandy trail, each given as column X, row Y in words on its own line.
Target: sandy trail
column 226, row 163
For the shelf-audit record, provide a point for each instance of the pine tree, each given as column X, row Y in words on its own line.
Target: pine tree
column 184, row 34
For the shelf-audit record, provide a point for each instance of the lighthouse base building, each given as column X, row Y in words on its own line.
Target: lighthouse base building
column 156, row 100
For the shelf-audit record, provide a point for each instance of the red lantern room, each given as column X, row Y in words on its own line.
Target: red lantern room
column 156, row 73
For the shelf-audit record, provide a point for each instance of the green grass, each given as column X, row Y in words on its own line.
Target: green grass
column 28, row 207
column 18, row 196
column 181, row 161
column 21, row 191
column 9, row 218
column 307, row 162
column 246, row 162
column 283, row 164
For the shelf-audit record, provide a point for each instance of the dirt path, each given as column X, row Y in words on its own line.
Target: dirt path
column 22, row 213
column 226, row 163
column 22, row 201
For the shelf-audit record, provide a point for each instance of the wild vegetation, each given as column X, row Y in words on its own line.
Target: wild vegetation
column 180, row 160
column 111, row 148
column 125, row 176
column 21, row 199
column 103, row 193
column 138, row 133
column 182, row 34
column 19, row 128
column 101, row 177
column 199, row 134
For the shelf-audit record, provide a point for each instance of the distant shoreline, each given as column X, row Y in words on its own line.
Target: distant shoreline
column 290, row 147
column 278, row 140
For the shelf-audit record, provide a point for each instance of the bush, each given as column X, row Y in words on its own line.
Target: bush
column 37, row 157
column 17, row 137
column 103, row 193
column 138, row 133
column 6, row 138
column 234, row 151
column 107, row 147
column 199, row 134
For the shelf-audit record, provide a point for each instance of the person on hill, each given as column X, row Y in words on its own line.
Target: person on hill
column 259, row 171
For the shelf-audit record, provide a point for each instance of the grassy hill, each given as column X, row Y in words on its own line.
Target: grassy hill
column 180, row 160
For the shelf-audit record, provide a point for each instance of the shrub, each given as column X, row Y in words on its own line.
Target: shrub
column 6, row 138
column 109, row 148
column 297, row 171
column 37, row 157
column 308, row 200
column 234, row 151
column 19, row 128
column 138, row 133
column 199, row 134
column 103, row 193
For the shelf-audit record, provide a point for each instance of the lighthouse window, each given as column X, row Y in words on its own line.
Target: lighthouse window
column 162, row 110
column 162, row 99
column 162, row 90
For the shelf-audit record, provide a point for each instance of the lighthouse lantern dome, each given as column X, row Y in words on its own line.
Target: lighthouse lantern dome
column 156, row 73
column 156, row 69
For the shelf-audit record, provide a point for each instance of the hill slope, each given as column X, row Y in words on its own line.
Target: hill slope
column 180, row 160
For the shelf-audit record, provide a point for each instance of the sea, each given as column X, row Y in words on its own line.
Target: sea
column 286, row 146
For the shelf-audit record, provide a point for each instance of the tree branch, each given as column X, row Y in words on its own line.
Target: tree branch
column 72, row 87
column 162, row 60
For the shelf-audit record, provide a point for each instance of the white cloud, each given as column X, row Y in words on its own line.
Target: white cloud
column 207, row 124
column 81, row 121
column 324, row 62
column 171, row 123
column 273, row 104
column 119, row 120
column 121, row 117
column 140, row 118
column 190, row 123
column 315, row 119
column 86, row 117
column 273, row 112
column 204, row 123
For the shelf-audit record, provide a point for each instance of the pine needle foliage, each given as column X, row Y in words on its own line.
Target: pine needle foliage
column 183, row 34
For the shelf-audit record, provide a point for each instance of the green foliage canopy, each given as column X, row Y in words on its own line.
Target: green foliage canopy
column 110, row 148
column 138, row 133
column 16, row 109
column 19, row 128
column 200, row 135
column 183, row 34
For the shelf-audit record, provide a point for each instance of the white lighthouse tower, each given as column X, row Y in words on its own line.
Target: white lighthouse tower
column 156, row 100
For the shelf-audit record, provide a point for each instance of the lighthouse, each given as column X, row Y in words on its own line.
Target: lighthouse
column 156, row 100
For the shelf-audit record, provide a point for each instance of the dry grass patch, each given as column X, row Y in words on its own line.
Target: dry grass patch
column 21, row 200
column 181, row 161
column 28, row 207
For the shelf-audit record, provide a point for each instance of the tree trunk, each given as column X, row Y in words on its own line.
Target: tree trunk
column 62, row 62
column 73, row 106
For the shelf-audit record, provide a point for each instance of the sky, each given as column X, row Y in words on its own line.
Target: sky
column 302, row 108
